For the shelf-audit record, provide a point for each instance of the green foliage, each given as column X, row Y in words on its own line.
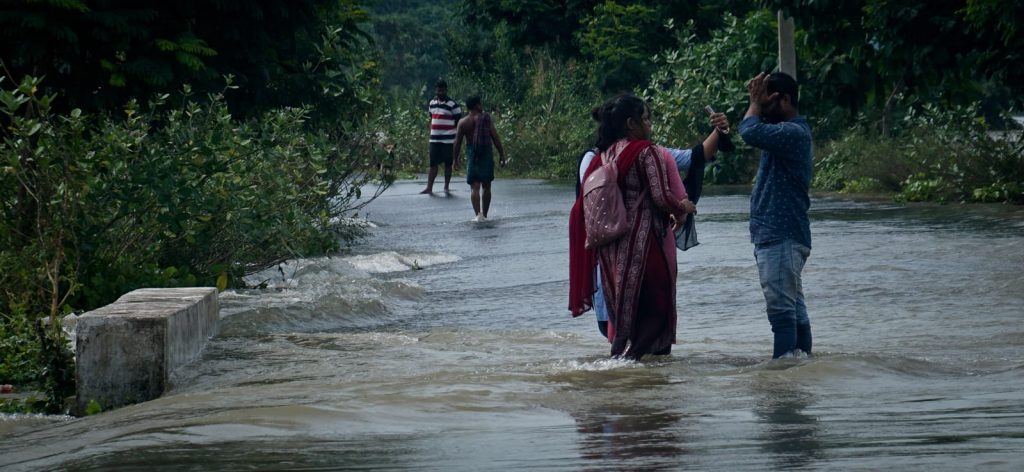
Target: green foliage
column 857, row 160
column 94, row 206
column 100, row 54
column 550, row 128
column 549, row 24
column 935, row 155
column 411, row 50
column 864, row 54
column 679, row 90
column 403, row 128
column 93, row 407
column 34, row 353
column 489, row 59
column 19, row 347
column 57, row 375
column 619, row 39
column 618, row 36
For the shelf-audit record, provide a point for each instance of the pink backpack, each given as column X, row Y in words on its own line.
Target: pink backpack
column 604, row 213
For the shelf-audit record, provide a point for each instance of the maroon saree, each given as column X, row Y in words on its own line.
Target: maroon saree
column 638, row 283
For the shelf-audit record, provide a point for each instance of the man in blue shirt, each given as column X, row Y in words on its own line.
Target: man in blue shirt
column 779, row 227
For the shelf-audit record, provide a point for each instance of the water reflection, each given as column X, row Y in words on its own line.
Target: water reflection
column 627, row 433
column 789, row 434
column 631, row 423
column 282, row 454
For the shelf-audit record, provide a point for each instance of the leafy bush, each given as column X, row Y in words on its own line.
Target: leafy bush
column 713, row 72
column 95, row 206
column 620, row 39
column 545, row 131
column 945, row 154
column 34, row 353
column 859, row 161
column 99, row 54
column 19, row 348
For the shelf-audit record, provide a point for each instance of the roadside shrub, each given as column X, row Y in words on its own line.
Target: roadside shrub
column 552, row 125
column 153, row 196
column 936, row 154
column 19, row 347
column 862, row 161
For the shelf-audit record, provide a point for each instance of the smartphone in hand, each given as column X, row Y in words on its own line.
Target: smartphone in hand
column 711, row 111
column 724, row 143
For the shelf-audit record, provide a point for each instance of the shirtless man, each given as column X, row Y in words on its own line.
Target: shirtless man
column 477, row 130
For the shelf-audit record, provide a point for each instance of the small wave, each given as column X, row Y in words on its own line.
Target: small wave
column 391, row 261
column 356, row 222
column 313, row 294
column 349, row 340
column 389, row 339
column 598, row 365
column 559, row 335
column 831, row 365
column 322, row 315
column 399, row 288
column 321, row 283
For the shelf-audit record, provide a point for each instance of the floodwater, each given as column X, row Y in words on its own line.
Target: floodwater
column 443, row 344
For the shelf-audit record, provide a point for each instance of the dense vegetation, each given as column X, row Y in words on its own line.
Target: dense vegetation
column 155, row 143
column 910, row 91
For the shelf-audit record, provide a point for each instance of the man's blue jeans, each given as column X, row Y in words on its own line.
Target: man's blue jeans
column 779, row 264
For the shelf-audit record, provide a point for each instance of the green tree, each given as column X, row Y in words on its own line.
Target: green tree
column 620, row 40
column 101, row 53
column 620, row 36
column 881, row 56
column 713, row 72
column 550, row 23
column 409, row 36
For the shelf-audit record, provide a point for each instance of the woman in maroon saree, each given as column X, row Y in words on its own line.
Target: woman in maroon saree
column 639, row 284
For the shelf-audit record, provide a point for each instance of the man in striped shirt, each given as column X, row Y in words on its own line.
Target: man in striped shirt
column 444, row 114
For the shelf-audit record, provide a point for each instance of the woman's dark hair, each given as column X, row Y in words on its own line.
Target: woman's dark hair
column 612, row 117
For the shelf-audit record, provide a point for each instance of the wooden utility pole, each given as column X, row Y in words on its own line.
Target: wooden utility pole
column 787, row 49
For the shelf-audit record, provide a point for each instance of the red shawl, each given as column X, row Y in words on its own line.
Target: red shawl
column 582, row 261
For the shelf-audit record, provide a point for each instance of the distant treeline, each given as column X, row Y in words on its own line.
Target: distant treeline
column 922, row 82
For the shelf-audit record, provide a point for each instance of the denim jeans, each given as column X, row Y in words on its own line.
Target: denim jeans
column 600, row 307
column 779, row 264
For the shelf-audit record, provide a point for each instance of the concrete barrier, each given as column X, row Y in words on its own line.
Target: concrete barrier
column 127, row 350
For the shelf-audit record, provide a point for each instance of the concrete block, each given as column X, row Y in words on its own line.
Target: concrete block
column 126, row 351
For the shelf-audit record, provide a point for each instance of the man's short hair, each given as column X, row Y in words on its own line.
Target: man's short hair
column 472, row 102
column 441, row 83
column 784, row 84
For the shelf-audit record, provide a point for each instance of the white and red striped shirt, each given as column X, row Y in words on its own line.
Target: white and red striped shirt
column 444, row 115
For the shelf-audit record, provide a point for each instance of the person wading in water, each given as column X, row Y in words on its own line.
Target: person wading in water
column 444, row 114
column 639, row 286
column 477, row 130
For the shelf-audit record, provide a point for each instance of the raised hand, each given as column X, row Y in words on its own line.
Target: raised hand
column 758, row 92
